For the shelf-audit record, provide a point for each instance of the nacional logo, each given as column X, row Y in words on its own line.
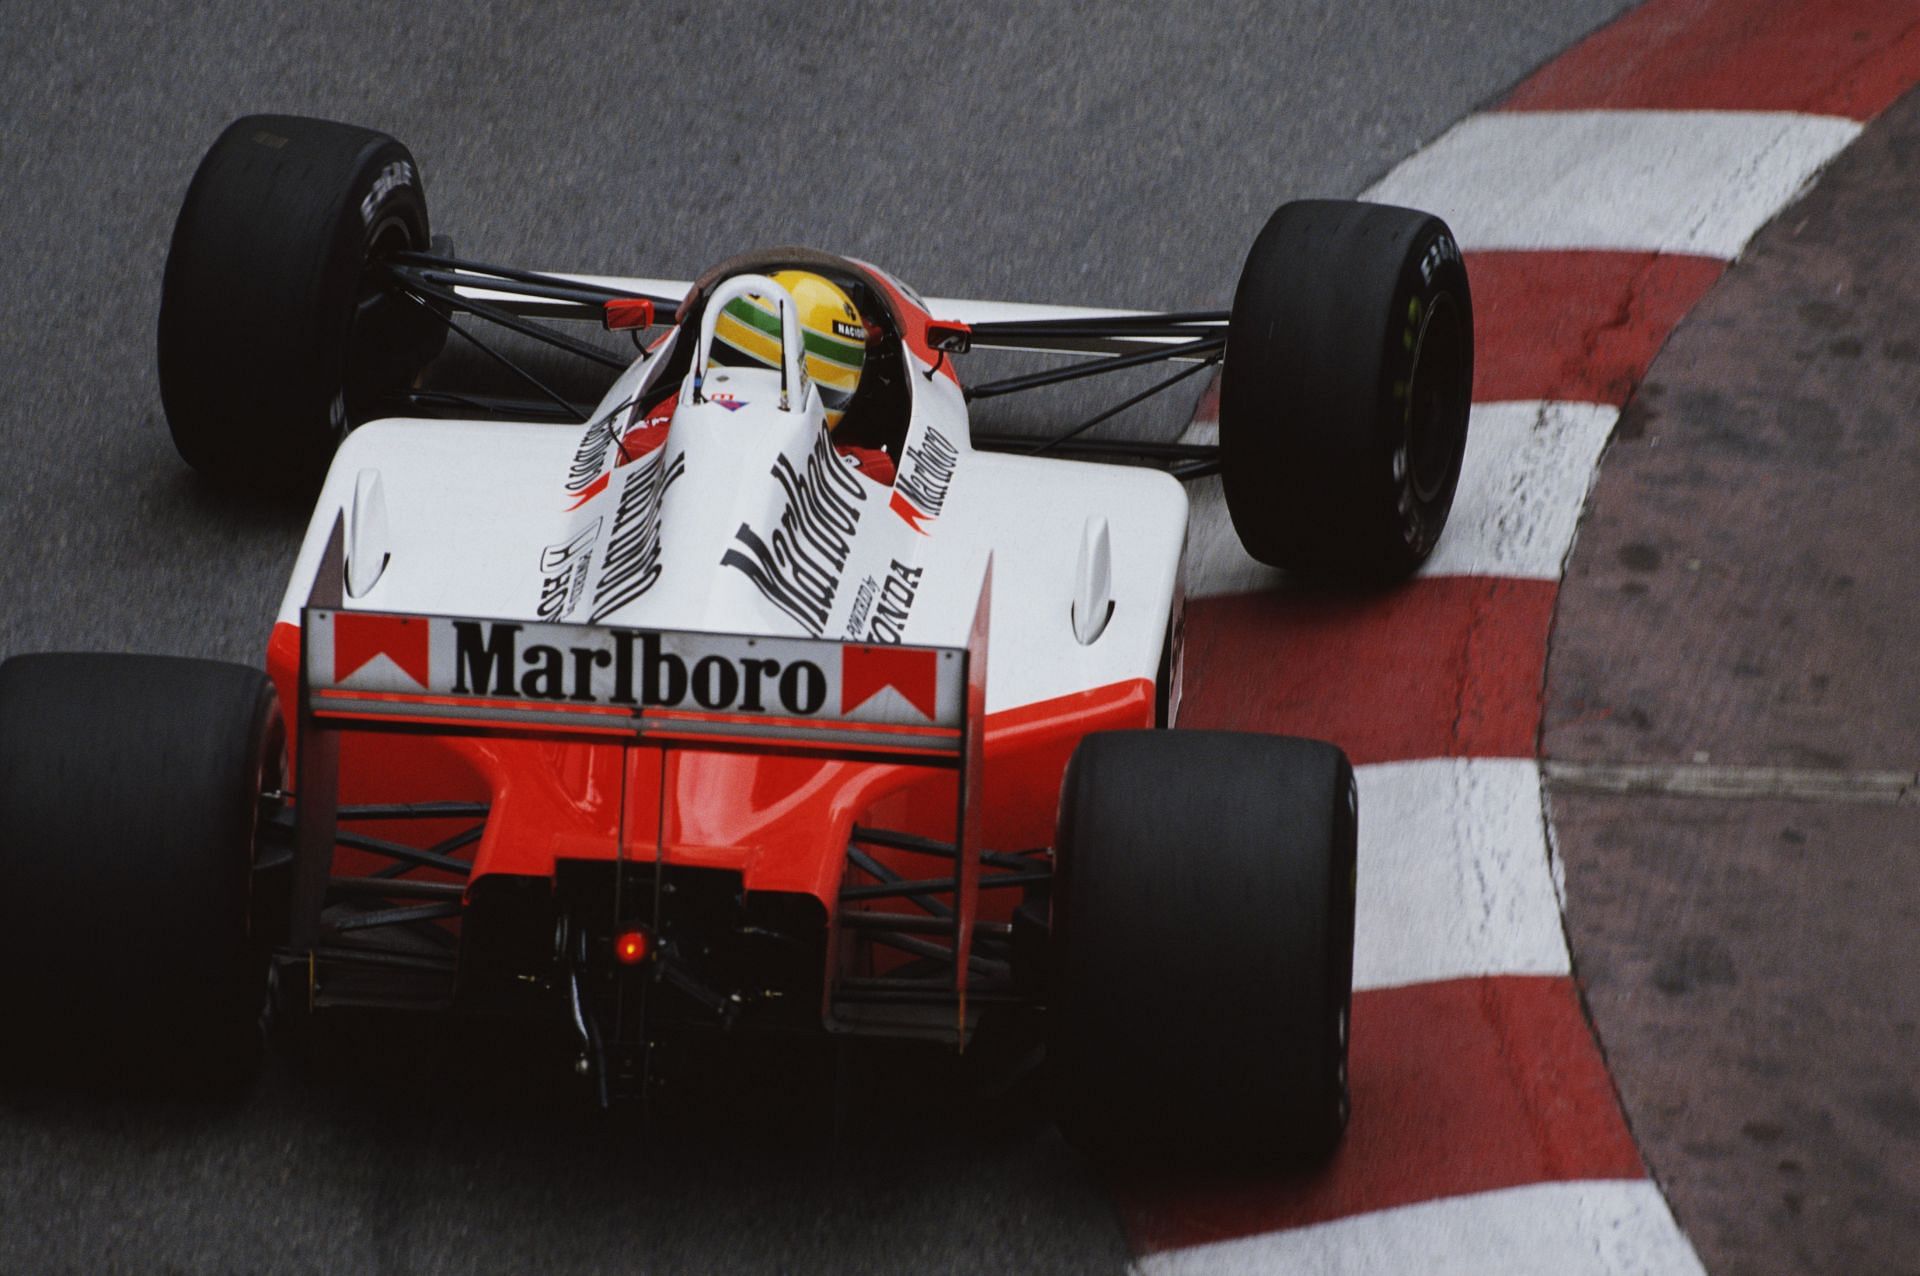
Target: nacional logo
column 532, row 663
column 926, row 472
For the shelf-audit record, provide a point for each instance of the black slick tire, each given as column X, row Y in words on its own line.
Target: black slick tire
column 1202, row 948
column 1346, row 388
column 130, row 794
column 275, row 336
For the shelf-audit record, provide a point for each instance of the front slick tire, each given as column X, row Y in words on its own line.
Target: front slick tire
column 276, row 334
column 1344, row 399
column 130, row 792
column 1202, row 953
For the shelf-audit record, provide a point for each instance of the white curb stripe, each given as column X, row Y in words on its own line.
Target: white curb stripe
column 1522, row 486
column 1592, row 1228
column 1663, row 181
column 1454, row 881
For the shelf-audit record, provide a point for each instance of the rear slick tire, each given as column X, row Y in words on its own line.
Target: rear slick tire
column 1202, row 949
column 130, row 806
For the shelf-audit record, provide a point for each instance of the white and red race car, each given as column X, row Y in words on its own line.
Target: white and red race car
column 682, row 712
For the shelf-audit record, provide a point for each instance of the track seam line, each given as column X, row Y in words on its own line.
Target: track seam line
column 1806, row 784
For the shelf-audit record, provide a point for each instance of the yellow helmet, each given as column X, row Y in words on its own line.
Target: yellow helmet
column 831, row 331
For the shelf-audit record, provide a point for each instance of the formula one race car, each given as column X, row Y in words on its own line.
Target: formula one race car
column 761, row 695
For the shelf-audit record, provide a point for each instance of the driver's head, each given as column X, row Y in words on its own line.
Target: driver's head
column 832, row 331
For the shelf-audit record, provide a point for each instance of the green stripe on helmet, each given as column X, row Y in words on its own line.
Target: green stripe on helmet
column 755, row 314
column 834, row 350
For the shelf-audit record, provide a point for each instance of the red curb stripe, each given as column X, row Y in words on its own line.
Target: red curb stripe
column 1445, row 666
column 1825, row 57
column 1576, row 326
column 1464, row 1086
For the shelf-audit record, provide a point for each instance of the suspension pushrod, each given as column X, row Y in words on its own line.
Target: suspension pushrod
column 1104, row 326
column 516, row 275
column 936, row 952
column 940, row 885
column 589, row 299
column 394, row 917
column 1094, row 367
column 386, row 888
column 446, row 846
column 1020, row 331
column 414, row 811
column 917, row 845
column 399, row 851
column 1124, row 404
column 861, row 860
column 502, row 360
column 413, row 281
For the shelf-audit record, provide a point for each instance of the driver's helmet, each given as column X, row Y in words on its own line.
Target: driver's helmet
column 831, row 331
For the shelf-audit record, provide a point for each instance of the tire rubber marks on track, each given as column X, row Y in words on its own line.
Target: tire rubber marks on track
column 1698, row 182
column 1454, row 876
column 1523, row 483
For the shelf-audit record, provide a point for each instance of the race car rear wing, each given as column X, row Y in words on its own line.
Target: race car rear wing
column 455, row 675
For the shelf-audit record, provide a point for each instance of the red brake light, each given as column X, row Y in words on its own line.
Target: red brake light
column 631, row 947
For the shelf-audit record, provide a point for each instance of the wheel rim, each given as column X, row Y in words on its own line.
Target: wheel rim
column 391, row 236
column 376, row 319
column 1436, row 400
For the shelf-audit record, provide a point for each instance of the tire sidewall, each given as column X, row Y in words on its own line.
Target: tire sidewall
column 1196, row 1002
column 1431, row 293
column 129, row 824
column 1329, row 348
column 267, row 354
column 382, row 348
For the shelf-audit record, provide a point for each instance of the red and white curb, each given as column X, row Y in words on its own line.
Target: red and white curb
column 1596, row 205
